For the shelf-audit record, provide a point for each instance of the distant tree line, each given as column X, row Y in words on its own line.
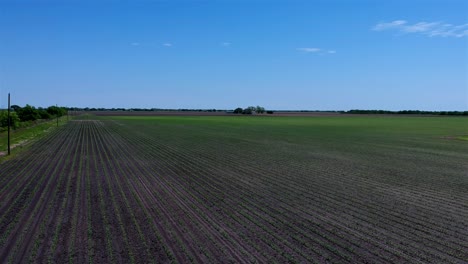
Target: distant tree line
column 251, row 110
column 408, row 112
column 94, row 109
column 248, row 110
column 23, row 116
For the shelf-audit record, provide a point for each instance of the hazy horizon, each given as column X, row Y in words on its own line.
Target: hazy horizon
column 282, row 55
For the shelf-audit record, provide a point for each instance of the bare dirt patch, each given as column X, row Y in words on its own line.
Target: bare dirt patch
column 19, row 144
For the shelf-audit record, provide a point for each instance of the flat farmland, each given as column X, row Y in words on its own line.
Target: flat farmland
column 214, row 189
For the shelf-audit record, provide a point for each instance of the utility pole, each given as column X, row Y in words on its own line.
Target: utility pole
column 9, row 124
column 57, row 113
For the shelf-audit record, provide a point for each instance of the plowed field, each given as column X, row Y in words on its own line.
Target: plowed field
column 239, row 189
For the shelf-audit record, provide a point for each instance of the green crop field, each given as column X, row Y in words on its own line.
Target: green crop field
column 339, row 189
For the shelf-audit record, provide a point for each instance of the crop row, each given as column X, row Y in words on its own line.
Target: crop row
column 415, row 248
column 135, row 192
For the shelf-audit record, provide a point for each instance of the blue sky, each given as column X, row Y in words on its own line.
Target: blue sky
column 316, row 55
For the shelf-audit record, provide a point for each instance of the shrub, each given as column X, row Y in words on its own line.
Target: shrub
column 14, row 120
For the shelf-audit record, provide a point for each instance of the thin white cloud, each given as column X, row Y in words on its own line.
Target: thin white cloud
column 308, row 50
column 316, row 51
column 135, row 43
column 384, row 26
column 420, row 27
column 167, row 44
column 226, row 44
column 431, row 29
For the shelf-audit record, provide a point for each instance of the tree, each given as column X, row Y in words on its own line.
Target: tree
column 15, row 107
column 43, row 114
column 57, row 111
column 14, row 120
column 260, row 110
column 249, row 110
column 28, row 113
column 238, row 110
